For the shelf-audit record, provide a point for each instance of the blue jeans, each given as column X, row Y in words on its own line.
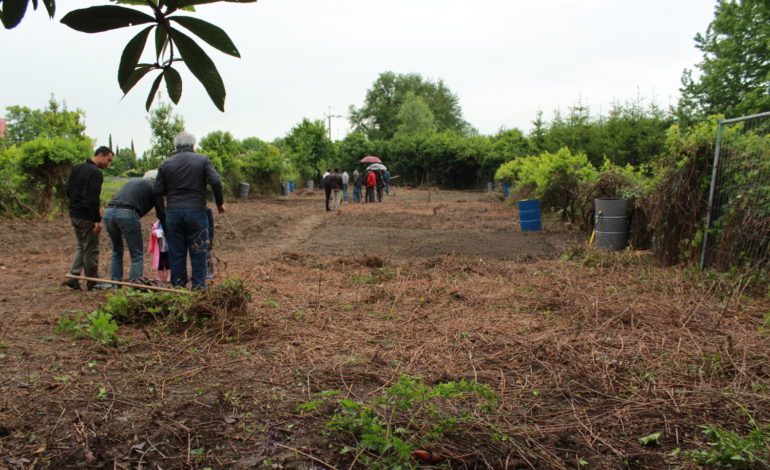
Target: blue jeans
column 123, row 224
column 345, row 192
column 357, row 194
column 187, row 233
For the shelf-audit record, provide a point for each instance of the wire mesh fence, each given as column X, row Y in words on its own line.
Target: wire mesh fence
column 737, row 232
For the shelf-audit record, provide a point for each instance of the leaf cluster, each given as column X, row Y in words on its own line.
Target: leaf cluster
column 170, row 44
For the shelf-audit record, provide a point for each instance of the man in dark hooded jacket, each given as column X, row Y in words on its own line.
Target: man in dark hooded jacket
column 183, row 178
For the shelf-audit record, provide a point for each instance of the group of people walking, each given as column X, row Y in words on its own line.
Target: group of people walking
column 335, row 184
column 178, row 195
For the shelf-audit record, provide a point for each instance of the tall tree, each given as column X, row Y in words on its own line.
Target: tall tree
column 165, row 125
column 124, row 163
column 415, row 117
column 538, row 133
column 309, row 146
column 352, row 149
column 25, row 124
column 378, row 117
column 735, row 72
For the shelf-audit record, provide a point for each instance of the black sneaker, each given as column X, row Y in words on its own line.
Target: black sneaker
column 72, row 284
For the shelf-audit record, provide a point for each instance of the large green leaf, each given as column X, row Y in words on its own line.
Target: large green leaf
column 214, row 35
column 186, row 3
column 135, row 76
column 131, row 55
column 50, row 6
column 161, row 37
column 173, row 84
column 13, row 12
column 201, row 66
column 153, row 90
column 104, row 18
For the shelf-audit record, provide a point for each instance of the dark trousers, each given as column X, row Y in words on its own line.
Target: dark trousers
column 370, row 194
column 328, row 192
column 87, row 255
column 379, row 193
column 187, row 232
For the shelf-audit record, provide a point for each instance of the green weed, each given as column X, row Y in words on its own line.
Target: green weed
column 732, row 450
column 408, row 415
column 99, row 325
column 651, row 439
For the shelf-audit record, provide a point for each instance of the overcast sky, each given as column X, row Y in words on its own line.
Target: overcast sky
column 504, row 59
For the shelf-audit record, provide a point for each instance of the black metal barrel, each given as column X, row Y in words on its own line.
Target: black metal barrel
column 611, row 215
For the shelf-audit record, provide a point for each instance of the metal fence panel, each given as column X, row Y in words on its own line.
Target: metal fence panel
column 737, row 231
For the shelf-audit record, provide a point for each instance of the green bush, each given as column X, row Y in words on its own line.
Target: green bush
column 557, row 179
column 46, row 164
column 13, row 199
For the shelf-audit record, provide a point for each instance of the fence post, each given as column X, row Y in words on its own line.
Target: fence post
column 711, row 195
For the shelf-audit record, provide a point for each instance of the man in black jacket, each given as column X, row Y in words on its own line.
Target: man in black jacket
column 327, row 189
column 183, row 178
column 83, row 190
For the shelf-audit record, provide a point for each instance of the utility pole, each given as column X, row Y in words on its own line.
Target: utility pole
column 329, row 117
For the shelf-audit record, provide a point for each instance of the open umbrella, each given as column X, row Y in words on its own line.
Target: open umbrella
column 371, row 159
column 376, row 166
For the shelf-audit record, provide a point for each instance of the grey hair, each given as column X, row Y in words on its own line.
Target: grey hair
column 184, row 139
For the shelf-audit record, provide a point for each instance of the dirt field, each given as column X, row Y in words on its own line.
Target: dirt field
column 564, row 357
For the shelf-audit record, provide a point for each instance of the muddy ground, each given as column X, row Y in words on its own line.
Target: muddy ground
column 583, row 352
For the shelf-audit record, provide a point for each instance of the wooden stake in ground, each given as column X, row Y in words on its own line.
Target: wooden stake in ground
column 128, row 284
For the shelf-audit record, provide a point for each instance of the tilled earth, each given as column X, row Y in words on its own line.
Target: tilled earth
column 585, row 352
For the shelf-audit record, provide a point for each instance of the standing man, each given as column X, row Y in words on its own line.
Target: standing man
column 83, row 190
column 327, row 189
column 386, row 180
column 335, row 183
column 358, row 182
column 121, row 219
column 182, row 178
column 345, row 182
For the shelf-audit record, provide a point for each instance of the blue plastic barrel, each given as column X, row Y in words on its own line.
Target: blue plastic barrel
column 506, row 189
column 529, row 215
column 291, row 186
